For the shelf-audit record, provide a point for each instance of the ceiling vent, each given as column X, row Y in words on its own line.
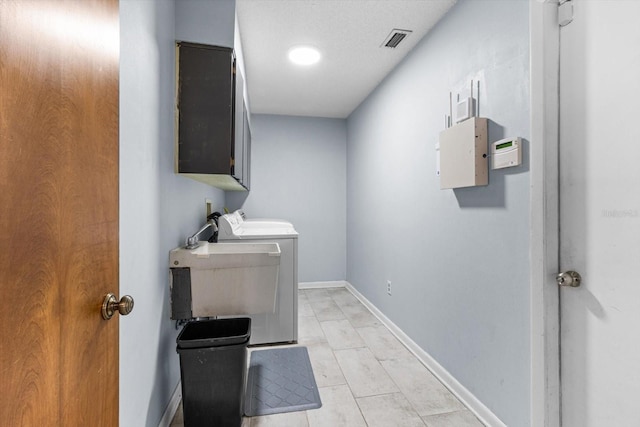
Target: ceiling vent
column 395, row 37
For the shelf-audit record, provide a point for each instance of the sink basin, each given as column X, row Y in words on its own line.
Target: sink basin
column 218, row 279
column 216, row 255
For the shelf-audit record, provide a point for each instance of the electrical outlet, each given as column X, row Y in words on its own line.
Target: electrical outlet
column 209, row 206
column 388, row 287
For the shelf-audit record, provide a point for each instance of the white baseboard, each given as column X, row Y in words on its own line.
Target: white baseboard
column 483, row 413
column 172, row 407
column 319, row 285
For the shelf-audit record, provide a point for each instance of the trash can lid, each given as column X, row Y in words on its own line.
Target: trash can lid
column 214, row 333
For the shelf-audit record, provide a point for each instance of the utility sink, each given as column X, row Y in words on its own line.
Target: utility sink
column 217, row 279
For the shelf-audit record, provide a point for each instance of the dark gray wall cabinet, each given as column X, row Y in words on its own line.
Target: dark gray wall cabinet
column 213, row 137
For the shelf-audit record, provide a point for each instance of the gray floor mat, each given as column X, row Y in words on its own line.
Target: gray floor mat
column 280, row 380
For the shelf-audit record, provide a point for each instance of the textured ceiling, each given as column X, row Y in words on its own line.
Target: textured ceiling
column 349, row 34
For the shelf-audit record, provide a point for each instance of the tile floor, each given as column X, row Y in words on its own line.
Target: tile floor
column 366, row 377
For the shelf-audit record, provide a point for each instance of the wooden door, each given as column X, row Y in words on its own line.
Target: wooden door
column 59, row 70
column 600, row 214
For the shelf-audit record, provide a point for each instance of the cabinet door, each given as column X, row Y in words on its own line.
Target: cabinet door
column 238, row 154
column 205, row 109
column 246, row 155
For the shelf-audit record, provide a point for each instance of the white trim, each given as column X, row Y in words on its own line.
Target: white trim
column 319, row 285
column 172, row 407
column 483, row 413
column 544, row 221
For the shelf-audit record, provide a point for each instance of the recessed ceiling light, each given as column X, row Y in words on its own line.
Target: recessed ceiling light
column 304, row 55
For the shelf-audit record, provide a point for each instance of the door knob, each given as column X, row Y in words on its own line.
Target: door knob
column 110, row 305
column 569, row 278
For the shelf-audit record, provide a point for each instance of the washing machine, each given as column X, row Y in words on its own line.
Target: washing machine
column 282, row 325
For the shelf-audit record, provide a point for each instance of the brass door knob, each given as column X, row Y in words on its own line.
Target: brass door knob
column 110, row 305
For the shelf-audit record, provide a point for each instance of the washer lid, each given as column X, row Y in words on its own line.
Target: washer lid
column 234, row 226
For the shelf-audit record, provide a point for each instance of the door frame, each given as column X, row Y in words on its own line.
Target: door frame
column 544, row 216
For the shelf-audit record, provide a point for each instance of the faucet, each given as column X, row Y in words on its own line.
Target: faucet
column 192, row 241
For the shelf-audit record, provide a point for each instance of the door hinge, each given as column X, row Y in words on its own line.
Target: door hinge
column 565, row 12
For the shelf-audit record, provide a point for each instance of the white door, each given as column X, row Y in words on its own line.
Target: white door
column 600, row 214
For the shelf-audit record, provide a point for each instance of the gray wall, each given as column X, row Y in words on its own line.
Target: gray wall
column 298, row 173
column 458, row 260
column 158, row 209
column 209, row 22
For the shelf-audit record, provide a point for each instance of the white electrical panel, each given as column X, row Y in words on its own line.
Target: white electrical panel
column 506, row 153
column 463, row 154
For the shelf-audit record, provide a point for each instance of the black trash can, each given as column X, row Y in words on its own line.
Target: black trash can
column 213, row 356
